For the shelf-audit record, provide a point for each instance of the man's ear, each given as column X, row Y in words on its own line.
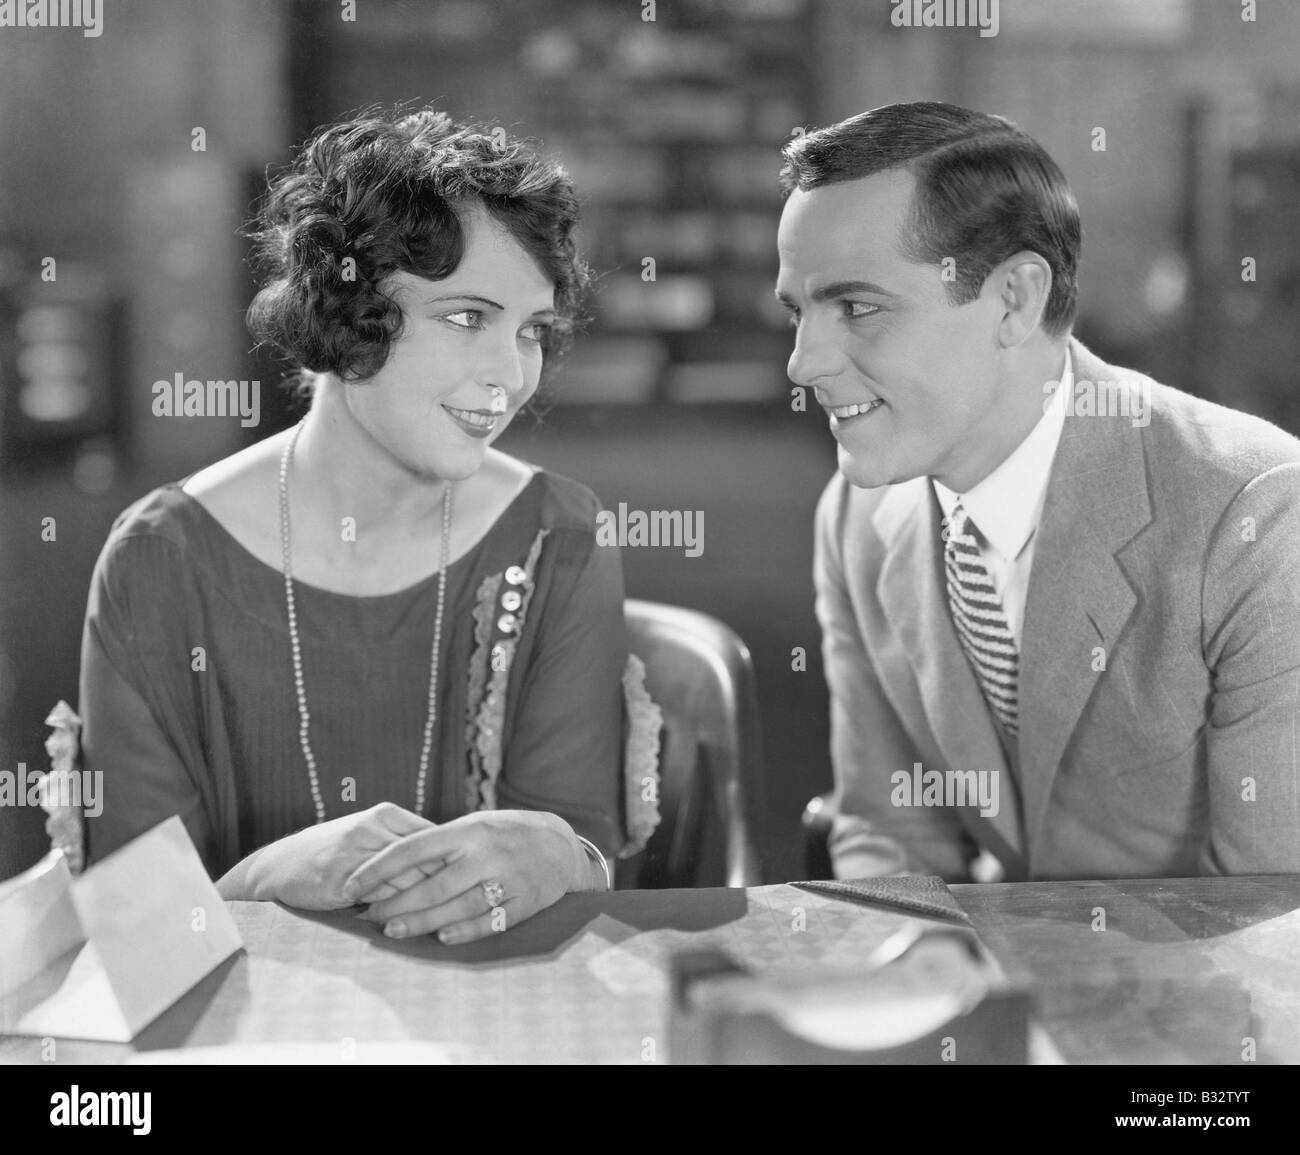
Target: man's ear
column 1023, row 283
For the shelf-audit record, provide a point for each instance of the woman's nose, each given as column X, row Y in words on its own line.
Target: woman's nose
column 504, row 370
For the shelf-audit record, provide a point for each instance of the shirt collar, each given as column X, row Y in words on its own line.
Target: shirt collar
column 1006, row 505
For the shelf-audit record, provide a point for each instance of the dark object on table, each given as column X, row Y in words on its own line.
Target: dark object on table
column 934, row 1000
column 923, row 894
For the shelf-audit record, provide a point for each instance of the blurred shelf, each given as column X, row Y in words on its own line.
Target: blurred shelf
column 671, row 130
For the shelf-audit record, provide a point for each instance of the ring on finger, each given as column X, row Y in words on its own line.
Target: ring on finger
column 494, row 892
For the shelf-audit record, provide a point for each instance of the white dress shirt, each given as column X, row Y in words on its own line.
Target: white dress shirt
column 1007, row 504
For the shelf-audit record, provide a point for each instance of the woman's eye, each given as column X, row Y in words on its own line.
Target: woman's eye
column 793, row 319
column 474, row 319
column 534, row 332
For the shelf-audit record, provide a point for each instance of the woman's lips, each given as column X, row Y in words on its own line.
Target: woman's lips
column 478, row 423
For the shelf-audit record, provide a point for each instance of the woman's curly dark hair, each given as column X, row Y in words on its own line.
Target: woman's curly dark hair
column 384, row 188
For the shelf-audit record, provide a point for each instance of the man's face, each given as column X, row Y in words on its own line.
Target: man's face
column 911, row 383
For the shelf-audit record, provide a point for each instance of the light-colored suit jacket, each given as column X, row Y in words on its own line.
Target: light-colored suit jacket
column 1160, row 664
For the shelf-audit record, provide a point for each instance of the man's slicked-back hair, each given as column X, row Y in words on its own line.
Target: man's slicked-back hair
column 985, row 190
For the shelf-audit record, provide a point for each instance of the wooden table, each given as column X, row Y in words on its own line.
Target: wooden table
column 1137, row 972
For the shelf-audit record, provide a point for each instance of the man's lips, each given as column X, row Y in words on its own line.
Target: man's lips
column 844, row 412
column 843, row 415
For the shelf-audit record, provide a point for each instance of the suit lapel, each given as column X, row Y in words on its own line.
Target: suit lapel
column 913, row 595
column 1079, row 599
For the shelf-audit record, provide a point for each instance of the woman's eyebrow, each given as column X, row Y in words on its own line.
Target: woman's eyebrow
column 491, row 304
column 542, row 311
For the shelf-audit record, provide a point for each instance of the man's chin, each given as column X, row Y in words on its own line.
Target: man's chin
column 868, row 474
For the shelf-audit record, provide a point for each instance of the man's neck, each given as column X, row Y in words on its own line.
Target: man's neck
column 1001, row 430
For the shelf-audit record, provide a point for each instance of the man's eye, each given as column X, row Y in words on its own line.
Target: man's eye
column 474, row 319
column 859, row 309
column 793, row 319
column 534, row 332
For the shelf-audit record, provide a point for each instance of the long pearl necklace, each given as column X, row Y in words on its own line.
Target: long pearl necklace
column 304, row 717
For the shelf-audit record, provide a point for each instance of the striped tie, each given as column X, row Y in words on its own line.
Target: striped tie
column 981, row 624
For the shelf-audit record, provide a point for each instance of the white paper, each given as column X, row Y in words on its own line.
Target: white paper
column 147, row 924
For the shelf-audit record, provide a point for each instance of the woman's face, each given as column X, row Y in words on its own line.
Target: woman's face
column 469, row 356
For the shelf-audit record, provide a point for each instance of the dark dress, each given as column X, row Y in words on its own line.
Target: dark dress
column 188, row 702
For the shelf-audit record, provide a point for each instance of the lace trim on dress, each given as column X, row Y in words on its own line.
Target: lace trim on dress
column 500, row 609
column 60, row 796
column 483, row 614
column 499, row 614
column 640, row 758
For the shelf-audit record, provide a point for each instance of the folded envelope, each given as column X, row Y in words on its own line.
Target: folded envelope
column 102, row 955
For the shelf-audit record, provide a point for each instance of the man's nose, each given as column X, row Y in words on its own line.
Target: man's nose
column 815, row 357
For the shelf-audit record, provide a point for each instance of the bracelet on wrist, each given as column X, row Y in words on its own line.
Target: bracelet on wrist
column 593, row 852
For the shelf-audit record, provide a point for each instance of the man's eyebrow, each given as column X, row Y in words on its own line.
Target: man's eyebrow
column 838, row 289
column 545, row 310
column 844, row 288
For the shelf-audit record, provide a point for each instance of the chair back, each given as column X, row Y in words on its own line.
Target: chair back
column 711, row 768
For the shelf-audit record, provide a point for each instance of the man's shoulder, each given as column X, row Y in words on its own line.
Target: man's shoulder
column 1191, row 437
column 1191, row 441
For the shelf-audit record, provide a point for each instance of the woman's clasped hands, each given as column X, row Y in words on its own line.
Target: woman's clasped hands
column 474, row 876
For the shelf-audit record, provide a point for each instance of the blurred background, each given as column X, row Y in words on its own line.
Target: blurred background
column 677, row 396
